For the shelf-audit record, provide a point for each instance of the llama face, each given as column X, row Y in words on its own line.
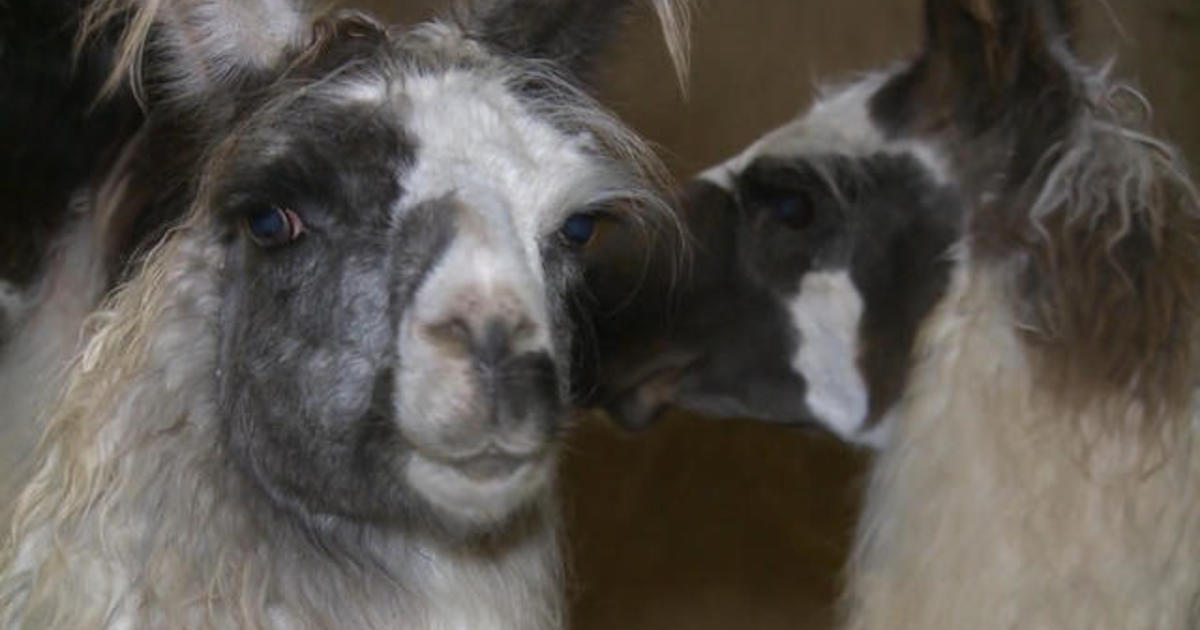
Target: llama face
column 405, row 333
column 402, row 216
column 823, row 245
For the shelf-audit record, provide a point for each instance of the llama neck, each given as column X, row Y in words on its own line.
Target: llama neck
column 414, row 580
column 182, row 552
column 263, row 567
column 994, row 508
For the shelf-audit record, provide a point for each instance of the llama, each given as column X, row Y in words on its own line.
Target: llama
column 981, row 263
column 331, row 394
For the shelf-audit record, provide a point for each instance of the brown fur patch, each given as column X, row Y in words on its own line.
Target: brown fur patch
column 1097, row 221
column 1108, row 281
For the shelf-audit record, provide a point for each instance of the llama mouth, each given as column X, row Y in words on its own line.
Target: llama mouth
column 481, row 488
column 491, row 464
column 641, row 400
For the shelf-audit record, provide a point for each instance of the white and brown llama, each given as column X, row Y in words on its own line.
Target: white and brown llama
column 982, row 263
column 331, row 395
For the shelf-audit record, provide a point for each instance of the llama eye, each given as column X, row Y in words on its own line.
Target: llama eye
column 794, row 212
column 579, row 228
column 271, row 226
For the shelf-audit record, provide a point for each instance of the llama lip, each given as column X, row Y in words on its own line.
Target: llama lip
column 480, row 488
column 490, row 465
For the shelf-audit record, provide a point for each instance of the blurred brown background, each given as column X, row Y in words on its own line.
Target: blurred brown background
column 704, row 525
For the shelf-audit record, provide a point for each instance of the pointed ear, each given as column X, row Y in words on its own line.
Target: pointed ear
column 192, row 50
column 570, row 32
column 985, row 59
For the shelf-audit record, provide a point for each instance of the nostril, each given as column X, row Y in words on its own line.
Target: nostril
column 496, row 342
column 523, row 330
column 489, row 339
column 453, row 333
column 501, row 338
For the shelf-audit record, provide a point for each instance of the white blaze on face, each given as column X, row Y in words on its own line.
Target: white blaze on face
column 477, row 142
column 511, row 178
column 826, row 313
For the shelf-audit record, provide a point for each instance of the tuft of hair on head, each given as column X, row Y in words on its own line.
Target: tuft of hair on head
column 138, row 16
column 675, row 18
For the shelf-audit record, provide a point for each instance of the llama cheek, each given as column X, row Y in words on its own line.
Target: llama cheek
column 433, row 391
column 339, row 382
column 826, row 314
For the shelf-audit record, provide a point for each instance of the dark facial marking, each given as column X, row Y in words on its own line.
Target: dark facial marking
column 526, row 386
column 901, row 267
column 707, row 338
column 309, row 328
column 794, row 219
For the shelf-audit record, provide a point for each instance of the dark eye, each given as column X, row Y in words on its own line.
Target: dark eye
column 579, row 228
column 794, row 211
column 272, row 225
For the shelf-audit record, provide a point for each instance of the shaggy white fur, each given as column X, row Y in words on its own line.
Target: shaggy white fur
column 991, row 509
column 136, row 518
column 1003, row 502
column 1040, row 470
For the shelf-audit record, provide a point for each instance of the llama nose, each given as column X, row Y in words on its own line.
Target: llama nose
column 486, row 337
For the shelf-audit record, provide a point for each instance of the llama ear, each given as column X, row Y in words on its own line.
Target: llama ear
column 194, row 49
column 570, row 32
column 984, row 59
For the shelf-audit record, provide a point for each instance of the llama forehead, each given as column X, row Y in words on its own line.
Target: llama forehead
column 332, row 161
column 839, row 123
column 479, row 142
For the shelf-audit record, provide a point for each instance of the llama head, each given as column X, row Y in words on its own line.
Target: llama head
column 821, row 247
column 400, row 215
column 827, row 242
